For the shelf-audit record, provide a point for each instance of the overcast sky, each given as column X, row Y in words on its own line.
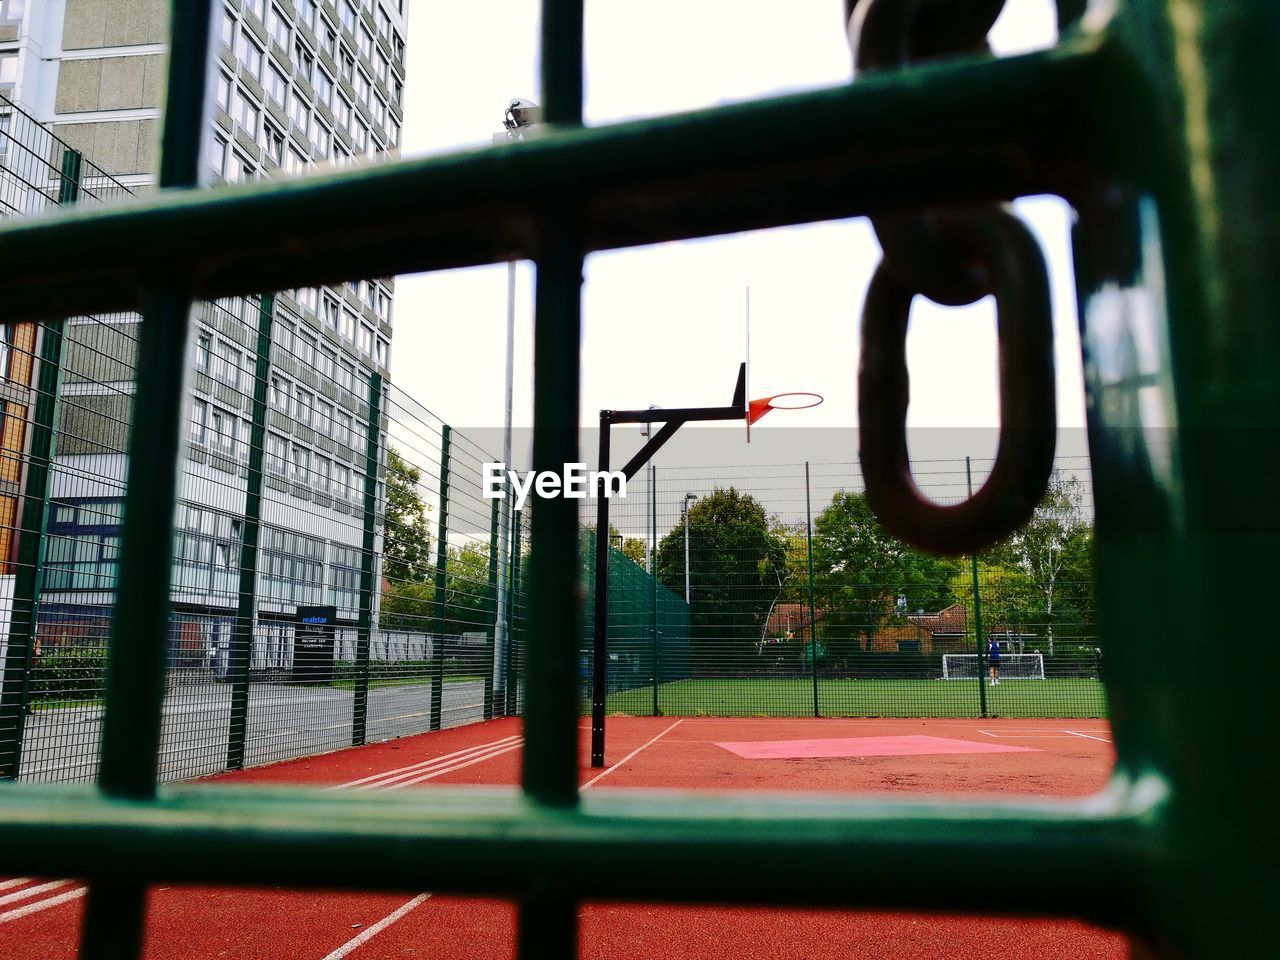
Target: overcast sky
column 665, row 324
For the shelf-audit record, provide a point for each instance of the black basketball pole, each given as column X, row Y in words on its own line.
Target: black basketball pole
column 672, row 420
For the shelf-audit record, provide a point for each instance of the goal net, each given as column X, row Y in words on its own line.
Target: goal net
column 1013, row 666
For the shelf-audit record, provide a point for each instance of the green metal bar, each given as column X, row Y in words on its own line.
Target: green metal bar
column 114, row 910
column 513, row 574
column 547, row 925
column 831, row 153
column 653, row 581
column 979, row 647
column 69, row 185
column 368, row 559
column 15, row 685
column 813, row 620
column 1090, row 856
column 442, row 583
column 246, row 603
column 491, row 598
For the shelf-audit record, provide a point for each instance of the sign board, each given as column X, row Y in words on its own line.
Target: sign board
column 313, row 636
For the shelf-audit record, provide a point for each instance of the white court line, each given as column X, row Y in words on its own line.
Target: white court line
column 426, row 771
column 604, row 773
column 15, row 882
column 377, row 928
column 457, row 766
column 443, row 758
column 39, row 905
column 1087, row 736
column 32, row 891
column 1056, row 735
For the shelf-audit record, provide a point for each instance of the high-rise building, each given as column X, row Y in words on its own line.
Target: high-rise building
column 298, row 83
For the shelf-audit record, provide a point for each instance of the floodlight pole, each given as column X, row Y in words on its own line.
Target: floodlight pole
column 684, row 507
column 672, row 420
column 515, row 122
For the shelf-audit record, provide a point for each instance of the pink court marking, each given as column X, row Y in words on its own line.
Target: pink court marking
column 910, row 746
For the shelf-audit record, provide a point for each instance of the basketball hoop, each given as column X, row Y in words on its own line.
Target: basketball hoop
column 794, row 400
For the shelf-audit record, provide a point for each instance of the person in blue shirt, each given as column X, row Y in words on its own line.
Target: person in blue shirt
column 993, row 660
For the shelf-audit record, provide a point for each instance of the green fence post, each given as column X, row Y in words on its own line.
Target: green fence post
column 813, row 622
column 492, row 601
column 977, row 607
column 134, row 700
column 653, row 578
column 69, row 185
column 513, row 610
column 15, row 683
column 368, row 562
column 246, row 609
column 442, row 583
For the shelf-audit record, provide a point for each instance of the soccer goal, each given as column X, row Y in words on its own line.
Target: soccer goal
column 1013, row 666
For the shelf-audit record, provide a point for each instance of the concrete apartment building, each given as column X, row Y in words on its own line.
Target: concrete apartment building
column 299, row 83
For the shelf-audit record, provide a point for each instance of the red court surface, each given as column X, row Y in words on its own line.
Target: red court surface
column 1052, row 758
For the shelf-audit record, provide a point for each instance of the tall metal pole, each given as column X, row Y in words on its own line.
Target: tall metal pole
column 500, row 629
column 600, row 650
column 977, row 606
column 653, row 579
column 442, row 583
column 813, row 621
column 246, row 605
column 368, row 566
column 685, row 509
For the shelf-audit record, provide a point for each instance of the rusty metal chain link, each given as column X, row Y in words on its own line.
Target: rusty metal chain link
column 955, row 257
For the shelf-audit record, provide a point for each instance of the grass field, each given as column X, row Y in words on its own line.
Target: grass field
column 865, row 698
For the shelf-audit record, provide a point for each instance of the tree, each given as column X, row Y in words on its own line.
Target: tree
column 1055, row 551
column 406, row 555
column 1009, row 599
column 867, row 578
column 737, row 569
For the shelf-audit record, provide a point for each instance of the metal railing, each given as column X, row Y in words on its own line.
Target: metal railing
column 1155, row 120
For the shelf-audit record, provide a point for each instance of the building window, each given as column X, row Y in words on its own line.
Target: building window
column 306, row 349
column 348, row 330
column 294, row 161
column 383, row 68
column 278, row 27
column 347, row 64
column 331, row 312
column 292, row 566
column 199, row 418
column 204, row 344
column 342, row 111
column 324, row 416
column 364, row 41
column 222, row 95
column 245, row 112
column 221, row 433
column 226, row 364
column 362, row 88
column 83, row 545
column 360, row 136
column 250, row 55
column 342, row 481
column 218, row 155
column 360, row 439
column 365, row 340
column 303, row 60
column 347, row 13
column 301, row 464
column 344, row 577
column 227, row 29
column 281, row 394
column 393, row 134
column 273, row 142
column 383, row 351
column 324, row 87
column 310, row 12
column 277, row 454
column 342, row 429
column 380, row 111
column 300, row 113
column 206, row 551
column 277, row 85
column 320, row 137
column 321, row 474
column 304, row 405
column 328, row 38
column 257, row 8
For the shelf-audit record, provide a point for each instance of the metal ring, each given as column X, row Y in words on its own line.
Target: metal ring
column 1028, row 421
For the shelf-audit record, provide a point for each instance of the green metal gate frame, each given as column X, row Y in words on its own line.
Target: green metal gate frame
column 1154, row 119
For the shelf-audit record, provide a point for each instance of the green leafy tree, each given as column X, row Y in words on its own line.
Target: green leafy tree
column 866, row 578
column 1009, row 599
column 407, row 552
column 737, row 571
column 1055, row 552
